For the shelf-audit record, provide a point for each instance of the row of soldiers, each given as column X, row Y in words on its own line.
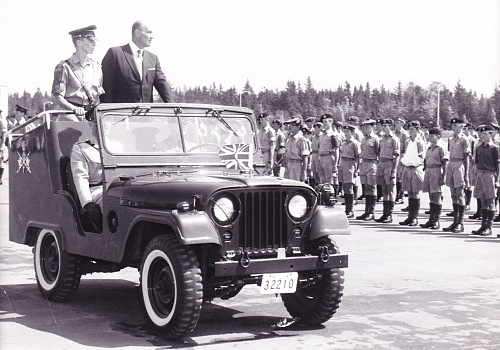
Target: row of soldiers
column 383, row 154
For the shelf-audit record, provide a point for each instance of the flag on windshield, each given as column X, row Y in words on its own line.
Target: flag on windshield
column 236, row 156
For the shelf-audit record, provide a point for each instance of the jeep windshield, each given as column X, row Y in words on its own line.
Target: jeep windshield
column 153, row 133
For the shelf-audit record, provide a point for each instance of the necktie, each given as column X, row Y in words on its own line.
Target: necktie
column 138, row 62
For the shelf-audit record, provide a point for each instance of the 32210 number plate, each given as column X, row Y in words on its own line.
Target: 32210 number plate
column 279, row 283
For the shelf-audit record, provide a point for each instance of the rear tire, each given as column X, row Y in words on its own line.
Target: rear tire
column 57, row 273
column 171, row 286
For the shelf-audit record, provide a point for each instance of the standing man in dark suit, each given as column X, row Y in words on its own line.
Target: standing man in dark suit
column 130, row 72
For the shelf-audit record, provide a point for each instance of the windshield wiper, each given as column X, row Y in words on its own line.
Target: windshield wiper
column 136, row 111
column 216, row 114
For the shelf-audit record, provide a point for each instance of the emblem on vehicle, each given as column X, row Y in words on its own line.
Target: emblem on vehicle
column 236, row 156
column 24, row 161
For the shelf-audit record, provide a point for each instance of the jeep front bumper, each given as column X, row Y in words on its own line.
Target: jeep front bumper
column 277, row 265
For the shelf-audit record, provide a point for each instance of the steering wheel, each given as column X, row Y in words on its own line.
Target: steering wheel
column 204, row 145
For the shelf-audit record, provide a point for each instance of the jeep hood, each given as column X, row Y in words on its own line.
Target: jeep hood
column 164, row 192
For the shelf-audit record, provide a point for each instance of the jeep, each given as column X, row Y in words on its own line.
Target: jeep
column 184, row 203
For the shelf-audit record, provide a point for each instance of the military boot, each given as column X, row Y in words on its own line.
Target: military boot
column 459, row 219
column 483, row 223
column 431, row 216
column 478, row 213
column 452, row 226
column 409, row 219
column 437, row 215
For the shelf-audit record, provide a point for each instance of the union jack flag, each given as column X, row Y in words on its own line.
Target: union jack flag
column 236, row 156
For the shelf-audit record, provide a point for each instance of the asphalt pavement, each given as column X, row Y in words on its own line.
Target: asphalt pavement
column 405, row 288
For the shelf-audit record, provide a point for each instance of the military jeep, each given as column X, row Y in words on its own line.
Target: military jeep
column 183, row 202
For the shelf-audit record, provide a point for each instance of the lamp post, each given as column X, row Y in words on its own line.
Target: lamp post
column 45, row 104
column 241, row 93
column 439, row 85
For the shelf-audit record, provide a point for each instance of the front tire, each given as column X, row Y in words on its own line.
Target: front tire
column 171, row 286
column 57, row 273
column 317, row 303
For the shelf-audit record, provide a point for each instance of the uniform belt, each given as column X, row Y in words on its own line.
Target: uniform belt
column 366, row 160
column 456, row 159
column 315, row 152
column 293, row 160
column 488, row 170
column 95, row 184
column 413, row 166
column 325, row 154
column 265, row 150
column 432, row 166
column 386, row 159
column 86, row 107
column 347, row 158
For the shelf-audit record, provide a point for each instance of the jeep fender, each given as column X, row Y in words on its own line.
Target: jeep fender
column 328, row 221
column 190, row 227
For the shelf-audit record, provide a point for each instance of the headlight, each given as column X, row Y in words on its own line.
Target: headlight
column 297, row 206
column 223, row 209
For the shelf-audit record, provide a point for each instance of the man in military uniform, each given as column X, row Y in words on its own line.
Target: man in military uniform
column 436, row 158
column 386, row 170
column 315, row 137
column 380, row 134
column 358, row 136
column 468, row 191
column 77, row 81
column 403, row 135
column 328, row 150
column 412, row 174
column 297, row 152
column 496, row 141
column 487, row 159
column 457, row 175
column 279, row 150
column 307, row 133
column 267, row 142
column 370, row 146
column 349, row 168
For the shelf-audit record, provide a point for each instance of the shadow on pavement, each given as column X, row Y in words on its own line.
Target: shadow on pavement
column 106, row 314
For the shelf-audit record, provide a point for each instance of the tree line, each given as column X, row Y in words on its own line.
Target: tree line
column 409, row 101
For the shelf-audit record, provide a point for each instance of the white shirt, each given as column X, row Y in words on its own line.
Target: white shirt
column 138, row 55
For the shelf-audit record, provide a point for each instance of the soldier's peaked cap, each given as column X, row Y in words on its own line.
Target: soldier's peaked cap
column 294, row 121
column 387, row 122
column 368, row 122
column 482, row 128
column 457, row 121
column 20, row 109
column 414, row 124
column 435, row 131
column 84, row 32
column 495, row 126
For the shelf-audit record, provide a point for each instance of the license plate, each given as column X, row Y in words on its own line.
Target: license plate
column 279, row 283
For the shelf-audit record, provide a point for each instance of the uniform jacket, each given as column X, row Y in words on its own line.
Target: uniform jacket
column 122, row 82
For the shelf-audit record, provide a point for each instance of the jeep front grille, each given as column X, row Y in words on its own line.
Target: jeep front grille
column 263, row 221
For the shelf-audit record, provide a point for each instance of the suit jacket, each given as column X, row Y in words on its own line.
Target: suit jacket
column 122, row 82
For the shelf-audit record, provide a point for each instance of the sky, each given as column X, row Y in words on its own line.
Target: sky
column 267, row 42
